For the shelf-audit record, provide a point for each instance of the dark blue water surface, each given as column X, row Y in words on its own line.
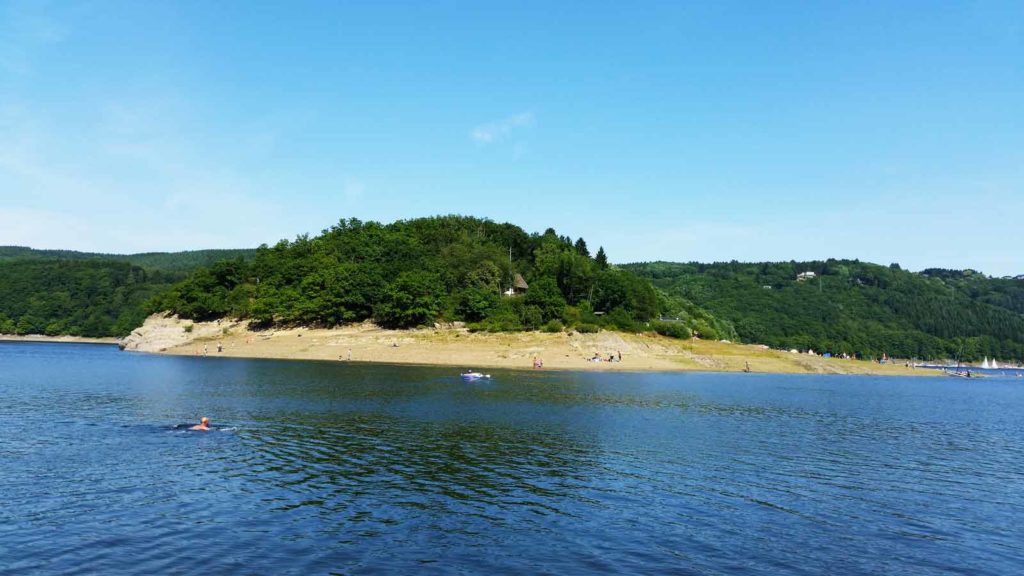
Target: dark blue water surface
column 330, row 467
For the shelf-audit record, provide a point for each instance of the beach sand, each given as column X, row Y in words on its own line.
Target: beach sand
column 457, row 347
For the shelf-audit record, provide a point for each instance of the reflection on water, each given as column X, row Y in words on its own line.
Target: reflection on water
column 321, row 467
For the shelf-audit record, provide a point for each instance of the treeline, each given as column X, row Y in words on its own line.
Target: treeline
column 94, row 298
column 168, row 262
column 418, row 272
column 855, row 308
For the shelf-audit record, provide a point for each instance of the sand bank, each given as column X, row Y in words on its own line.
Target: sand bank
column 454, row 346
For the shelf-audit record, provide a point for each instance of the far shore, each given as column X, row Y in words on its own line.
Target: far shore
column 457, row 347
column 59, row 339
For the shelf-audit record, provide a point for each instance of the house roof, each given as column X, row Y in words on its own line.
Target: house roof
column 518, row 282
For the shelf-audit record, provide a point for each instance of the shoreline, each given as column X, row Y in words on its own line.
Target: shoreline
column 57, row 339
column 457, row 347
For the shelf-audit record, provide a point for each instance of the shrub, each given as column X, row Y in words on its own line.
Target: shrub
column 553, row 327
column 588, row 328
column 188, row 328
column 672, row 329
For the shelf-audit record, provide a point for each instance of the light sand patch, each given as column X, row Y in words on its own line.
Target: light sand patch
column 455, row 346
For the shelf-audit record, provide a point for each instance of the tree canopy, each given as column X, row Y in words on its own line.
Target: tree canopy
column 853, row 307
column 417, row 272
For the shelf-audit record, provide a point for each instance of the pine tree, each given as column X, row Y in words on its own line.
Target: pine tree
column 581, row 248
column 601, row 258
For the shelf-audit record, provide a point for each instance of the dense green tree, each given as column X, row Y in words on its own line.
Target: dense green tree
column 601, row 259
column 413, row 299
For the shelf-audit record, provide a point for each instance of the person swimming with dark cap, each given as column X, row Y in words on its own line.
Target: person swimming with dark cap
column 204, row 424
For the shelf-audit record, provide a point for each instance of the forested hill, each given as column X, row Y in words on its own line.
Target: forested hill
column 95, row 298
column 855, row 307
column 63, row 292
column 417, row 272
column 164, row 261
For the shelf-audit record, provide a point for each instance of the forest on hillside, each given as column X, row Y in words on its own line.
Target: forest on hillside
column 854, row 307
column 94, row 298
column 171, row 262
column 442, row 269
column 454, row 268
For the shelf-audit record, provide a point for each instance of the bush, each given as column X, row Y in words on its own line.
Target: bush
column 672, row 329
column 553, row 327
column 188, row 328
column 619, row 318
column 588, row 328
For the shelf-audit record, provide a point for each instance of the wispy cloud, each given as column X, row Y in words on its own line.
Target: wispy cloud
column 492, row 132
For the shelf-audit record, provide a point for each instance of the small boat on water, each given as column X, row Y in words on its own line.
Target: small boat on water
column 469, row 376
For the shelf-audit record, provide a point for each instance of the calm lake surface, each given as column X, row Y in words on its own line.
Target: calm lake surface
column 337, row 468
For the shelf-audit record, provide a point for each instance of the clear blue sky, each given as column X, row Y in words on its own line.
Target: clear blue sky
column 885, row 131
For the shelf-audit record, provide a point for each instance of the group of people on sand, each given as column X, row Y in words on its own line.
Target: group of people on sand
column 206, row 348
column 538, row 362
column 616, row 357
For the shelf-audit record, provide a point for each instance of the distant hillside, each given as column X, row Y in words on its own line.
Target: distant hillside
column 58, row 292
column 165, row 261
column 844, row 306
column 93, row 298
column 403, row 274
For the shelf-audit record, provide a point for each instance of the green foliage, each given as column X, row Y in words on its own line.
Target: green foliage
column 601, row 259
column 414, row 272
column 671, row 329
column 545, row 295
column 848, row 307
column 78, row 297
column 553, row 327
column 167, row 262
column 413, row 299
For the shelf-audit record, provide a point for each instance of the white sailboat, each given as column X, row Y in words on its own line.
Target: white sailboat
column 985, row 363
column 994, row 365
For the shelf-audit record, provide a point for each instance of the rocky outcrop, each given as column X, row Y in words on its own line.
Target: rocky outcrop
column 159, row 333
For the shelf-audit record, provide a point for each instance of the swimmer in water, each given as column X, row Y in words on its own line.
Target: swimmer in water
column 204, row 424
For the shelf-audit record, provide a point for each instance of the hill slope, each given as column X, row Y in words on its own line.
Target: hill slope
column 164, row 261
column 63, row 292
column 415, row 272
column 854, row 307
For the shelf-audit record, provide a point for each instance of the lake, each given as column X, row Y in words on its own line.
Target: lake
column 324, row 468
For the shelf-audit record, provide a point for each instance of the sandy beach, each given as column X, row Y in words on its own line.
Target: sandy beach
column 457, row 347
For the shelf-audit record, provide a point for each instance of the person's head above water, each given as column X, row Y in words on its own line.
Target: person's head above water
column 204, row 424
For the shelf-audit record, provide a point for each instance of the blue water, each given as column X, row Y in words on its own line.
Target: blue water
column 342, row 468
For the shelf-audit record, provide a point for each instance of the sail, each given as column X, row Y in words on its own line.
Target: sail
column 994, row 365
column 985, row 363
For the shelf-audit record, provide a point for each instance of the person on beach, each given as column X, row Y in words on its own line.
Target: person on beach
column 204, row 424
column 220, row 346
